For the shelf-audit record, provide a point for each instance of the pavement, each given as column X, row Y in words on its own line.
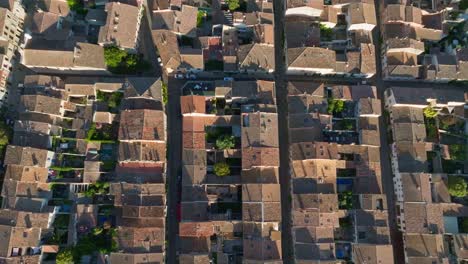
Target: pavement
column 174, row 149
column 287, row 245
column 148, row 48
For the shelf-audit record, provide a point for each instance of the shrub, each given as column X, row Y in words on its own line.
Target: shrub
column 233, row 4
column 114, row 100
column 429, row 112
column 65, row 256
column 97, row 188
column 221, row 169
column 348, row 124
column 165, row 95
column 225, row 142
column 345, row 200
column 6, row 133
column 457, row 186
column 100, row 239
column 62, row 221
column 200, row 16
column 457, row 152
column 91, row 131
column 326, row 32
column 335, row 106
column 339, row 106
column 77, row 6
column 431, row 129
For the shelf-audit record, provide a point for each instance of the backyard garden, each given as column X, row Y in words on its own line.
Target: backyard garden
column 430, row 122
column 104, row 133
column 112, row 100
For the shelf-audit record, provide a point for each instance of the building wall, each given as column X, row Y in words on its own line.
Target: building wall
column 12, row 33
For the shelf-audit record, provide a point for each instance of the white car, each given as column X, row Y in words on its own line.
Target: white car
column 160, row 61
column 179, row 76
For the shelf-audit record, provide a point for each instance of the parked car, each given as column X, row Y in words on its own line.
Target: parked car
column 228, row 79
column 160, row 61
column 179, row 76
column 191, row 76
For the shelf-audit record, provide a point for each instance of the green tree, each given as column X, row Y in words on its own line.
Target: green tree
column 233, row 4
column 131, row 60
column 457, row 152
column 200, row 17
column 115, row 99
column 65, row 256
column 97, row 188
column 331, row 106
column 221, row 169
column 73, row 4
column 114, row 56
column 339, row 106
column 345, row 200
column 335, row 106
column 225, row 142
column 457, row 186
column 429, row 112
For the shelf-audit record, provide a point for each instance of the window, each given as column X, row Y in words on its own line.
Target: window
column 15, row 252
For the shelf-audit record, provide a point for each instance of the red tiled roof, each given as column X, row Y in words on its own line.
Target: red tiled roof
column 196, row 229
column 142, row 125
column 259, row 157
column 194, row 140
column 193, row 123
column 192, row 104
column 139, row 167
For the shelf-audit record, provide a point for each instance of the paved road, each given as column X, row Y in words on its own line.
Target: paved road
column 387, row 175
column 174, row 148
column 283, row 131
column 148, row 49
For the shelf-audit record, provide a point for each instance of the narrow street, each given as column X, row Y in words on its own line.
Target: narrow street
column 174, row 157
column 148, row 49
column 283, row 131
column 386, row 170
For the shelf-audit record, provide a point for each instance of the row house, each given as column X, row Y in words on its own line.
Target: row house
column 230, row 207
column 195, row 38
column 331, row 38
column 11, row 30
column 423, row 44
column 339, row 209
column 427, row 157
